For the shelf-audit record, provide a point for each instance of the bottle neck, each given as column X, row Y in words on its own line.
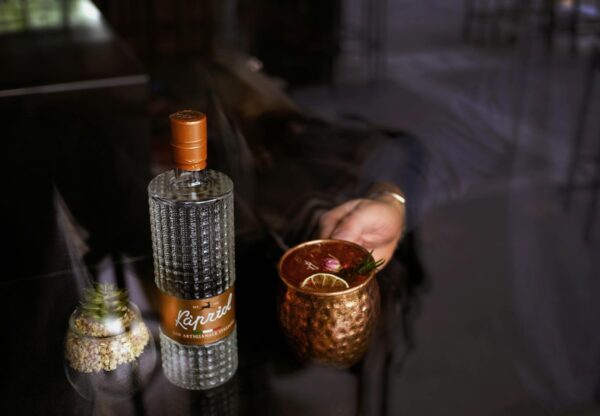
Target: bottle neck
column 188, row 173
column 190, row 184
column 189, row 178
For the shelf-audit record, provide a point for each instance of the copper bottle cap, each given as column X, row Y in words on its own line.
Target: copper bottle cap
column 188, row 139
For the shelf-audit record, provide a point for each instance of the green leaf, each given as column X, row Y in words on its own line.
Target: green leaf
column 104, row 299
column 366, row 266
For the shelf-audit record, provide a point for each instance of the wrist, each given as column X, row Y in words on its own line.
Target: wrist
column 390, row 199
column 389, row 194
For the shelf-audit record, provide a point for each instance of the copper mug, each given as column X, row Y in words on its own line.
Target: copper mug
column 333, row 328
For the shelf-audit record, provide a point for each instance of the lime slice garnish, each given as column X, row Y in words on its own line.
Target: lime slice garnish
column 324, row 282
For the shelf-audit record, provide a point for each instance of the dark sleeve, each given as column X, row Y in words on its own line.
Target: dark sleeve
column 403, row 162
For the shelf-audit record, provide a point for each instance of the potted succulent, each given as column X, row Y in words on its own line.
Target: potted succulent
column 105, row 343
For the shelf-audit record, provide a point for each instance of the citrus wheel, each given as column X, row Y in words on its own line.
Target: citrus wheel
column 324, row 282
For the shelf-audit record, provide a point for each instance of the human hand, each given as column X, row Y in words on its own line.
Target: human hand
column 376, row 224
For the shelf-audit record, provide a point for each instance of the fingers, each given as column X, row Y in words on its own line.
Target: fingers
column 330, row 220
column 374, row 224
column 348, row 229
column 384, row 252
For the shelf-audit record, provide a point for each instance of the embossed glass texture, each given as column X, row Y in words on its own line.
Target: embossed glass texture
column 191, row 216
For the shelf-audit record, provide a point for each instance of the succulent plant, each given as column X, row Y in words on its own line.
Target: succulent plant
column 103, row 300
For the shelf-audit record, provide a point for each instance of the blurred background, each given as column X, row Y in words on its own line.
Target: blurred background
column 485, row 112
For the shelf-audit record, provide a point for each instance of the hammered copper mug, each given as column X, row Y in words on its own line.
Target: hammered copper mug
column 332, row 328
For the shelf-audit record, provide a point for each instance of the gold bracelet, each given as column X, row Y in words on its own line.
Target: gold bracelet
column 398, row 197
column 387, row 188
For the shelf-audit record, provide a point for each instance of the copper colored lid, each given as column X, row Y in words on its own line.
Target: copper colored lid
column 188, row 139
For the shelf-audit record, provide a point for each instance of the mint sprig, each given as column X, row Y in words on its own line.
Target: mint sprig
column 366, row 266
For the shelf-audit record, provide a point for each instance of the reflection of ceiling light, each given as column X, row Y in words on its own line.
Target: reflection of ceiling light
column 589, row 10
column 254, row 64
column 566, row 5
column 585, row 9
column 90, row 11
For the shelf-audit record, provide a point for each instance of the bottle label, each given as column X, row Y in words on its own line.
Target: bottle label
column 198, row 321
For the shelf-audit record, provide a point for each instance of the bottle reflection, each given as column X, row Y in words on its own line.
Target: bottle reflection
column 220, row 401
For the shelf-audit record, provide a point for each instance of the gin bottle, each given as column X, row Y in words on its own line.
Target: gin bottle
column 191, row 214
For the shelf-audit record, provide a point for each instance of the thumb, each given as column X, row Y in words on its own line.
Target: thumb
column 348, row 229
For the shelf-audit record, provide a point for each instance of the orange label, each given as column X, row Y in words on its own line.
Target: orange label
column 198, row 321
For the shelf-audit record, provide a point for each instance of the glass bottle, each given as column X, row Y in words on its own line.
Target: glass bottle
column 191, row 214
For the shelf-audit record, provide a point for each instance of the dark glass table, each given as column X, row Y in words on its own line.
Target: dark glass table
column 269, row 380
